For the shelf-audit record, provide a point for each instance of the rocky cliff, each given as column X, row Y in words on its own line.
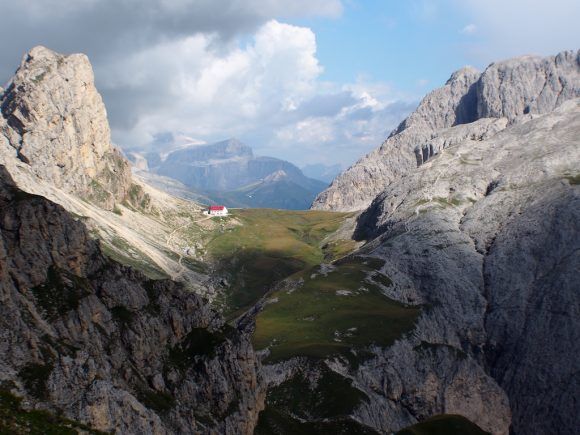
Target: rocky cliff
column 486, row 233
column 100, row 343
column 506, row 90
column 54, row 120
column 55, row 142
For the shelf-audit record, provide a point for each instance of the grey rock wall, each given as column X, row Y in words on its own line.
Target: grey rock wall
column 485, row 234
column 511, row 89
column 85, row 336
column 55, row 121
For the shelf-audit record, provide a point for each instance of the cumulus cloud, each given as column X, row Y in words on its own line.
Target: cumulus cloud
column 209, row 69
column 209, row 92
column 105, row 29
column 267, row 92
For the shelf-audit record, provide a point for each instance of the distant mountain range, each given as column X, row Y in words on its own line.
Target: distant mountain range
column 228, row 172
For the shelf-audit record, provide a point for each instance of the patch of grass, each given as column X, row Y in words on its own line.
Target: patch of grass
column 195, row 265
column 574, row 180
column 198, row 343
column 15, row 420
column 137, row 197
column 425, row 346
column 158, row 401
column 331, row 395
column 34, row 376
column 332, row 314
column 121, row 252
column 471, row 162
column 445, row 424
column 60, row 293
column 39, row 77
column 98, row 194
column 122, row 315
column 337, row 249
column 382, row 279
column 275, row 422
column 267, row 247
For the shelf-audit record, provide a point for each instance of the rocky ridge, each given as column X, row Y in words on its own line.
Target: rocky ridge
column 509, row 90
column 486, row 233
column 54, row 120
column 104, row 345
column 55, row 142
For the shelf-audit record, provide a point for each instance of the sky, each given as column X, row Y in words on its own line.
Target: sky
column 310, row 81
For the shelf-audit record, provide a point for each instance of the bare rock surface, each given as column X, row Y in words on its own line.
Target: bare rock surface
column 98, row 341
column 56, row 122
column 510, row 89
column 486, row 233
column 55, row 142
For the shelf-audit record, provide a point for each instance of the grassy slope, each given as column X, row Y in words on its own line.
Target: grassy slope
column 269, row 246
column 308, row 405
column 332, row 314
column 444, row 425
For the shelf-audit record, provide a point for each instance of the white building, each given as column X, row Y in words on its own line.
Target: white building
column 217, row 210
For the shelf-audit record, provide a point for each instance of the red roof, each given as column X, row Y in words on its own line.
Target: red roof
column 216, row 207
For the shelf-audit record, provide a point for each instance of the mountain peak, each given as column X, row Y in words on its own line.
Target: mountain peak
column 467, row 73
column 55, row 121
column 505, row 92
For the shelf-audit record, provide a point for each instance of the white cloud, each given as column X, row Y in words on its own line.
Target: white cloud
column 469, row 29
column 211, row 69
column 267, row 92
column 208, row 92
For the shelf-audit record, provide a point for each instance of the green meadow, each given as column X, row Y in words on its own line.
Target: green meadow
column 266, row 246
column 331, row 312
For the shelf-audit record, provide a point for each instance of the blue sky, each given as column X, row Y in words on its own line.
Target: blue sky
column 408, row 44
column 311, row 81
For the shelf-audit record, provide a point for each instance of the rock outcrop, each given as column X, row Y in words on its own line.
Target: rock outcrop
column 97, row 341
column 487, row 235
column 54, row 120
column 510, row 89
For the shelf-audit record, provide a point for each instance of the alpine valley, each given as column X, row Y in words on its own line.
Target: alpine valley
column 432, row 288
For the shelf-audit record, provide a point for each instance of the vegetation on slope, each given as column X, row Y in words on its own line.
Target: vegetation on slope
column 16, row 420
column 313, row 405
column 268, row 246
column 445, row 424
column 331, row 312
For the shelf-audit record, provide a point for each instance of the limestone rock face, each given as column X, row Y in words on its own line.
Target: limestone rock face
column 512, row 89
column 486, row 233
column 83, row 335
column 56, row 122
column 528, row 85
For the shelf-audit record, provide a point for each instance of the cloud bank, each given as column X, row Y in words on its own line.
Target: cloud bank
column 210, row 69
